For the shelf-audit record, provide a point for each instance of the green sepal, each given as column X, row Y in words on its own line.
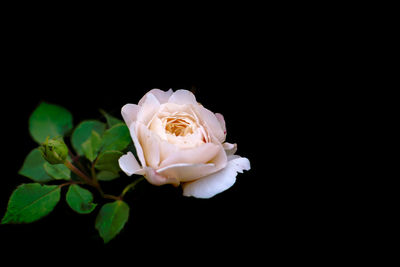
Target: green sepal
column 54, row 151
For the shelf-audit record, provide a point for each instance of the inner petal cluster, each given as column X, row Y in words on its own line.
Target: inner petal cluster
column 181, row 128
column 178, row 126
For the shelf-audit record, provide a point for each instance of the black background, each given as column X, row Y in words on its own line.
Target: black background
column 261, row 93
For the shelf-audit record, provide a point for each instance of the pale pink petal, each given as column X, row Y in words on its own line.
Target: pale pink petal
column 201, row 154
column 190, row 171
column 221, row 120
column 230, row 149
column 148, row 109
column 129, row 164
column 139, row 149
column 156, row 179
column 186, row 172
column 150, row 144
column 211, row 122
column 218, row 182
column 162, row 96
column 220, row 160
column 129, row 113
column 182, row 97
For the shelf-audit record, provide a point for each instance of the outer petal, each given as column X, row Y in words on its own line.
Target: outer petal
column 201, row 154
column 129, row 164
column 211, row 122
column 213, row 184
column 230, row 149
column 129, row 113
column 139, row 149
column 156, row 179
column 150, row 145
column 147, row 110
column 159, row 94
column 186, row 172
column 182, row 97
column 221, row 120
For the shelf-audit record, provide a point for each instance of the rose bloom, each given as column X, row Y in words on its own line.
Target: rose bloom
column 180, row 142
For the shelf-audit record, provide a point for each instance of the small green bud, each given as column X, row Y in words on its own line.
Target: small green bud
column 55, row 151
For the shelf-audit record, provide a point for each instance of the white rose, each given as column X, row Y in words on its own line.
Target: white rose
column 178, row 141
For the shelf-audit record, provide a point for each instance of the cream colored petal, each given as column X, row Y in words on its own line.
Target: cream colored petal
column 182, row 97
column 129, row 164
column 138, row 146
column 211, row 122
column 220, row 160
column 148, row 109
column 129, row 113
column 161, row 95
column 186, row 172
column 218, row 182
column 150, row 144
column 174, row 108
column 172, row 154
column 190, row 171
column 230, row 149
column 157, row 179
column 221, row 120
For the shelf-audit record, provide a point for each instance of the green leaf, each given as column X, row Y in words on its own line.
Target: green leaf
column 107, row 176
column 83, row 132
column 108, row 161
column 80, row 199
column 30, row 202
column 116, row 138
column 33, row 167
column 57, row 171
column 111, row 219
column 111, row 120
column 49, row 120
column 91, row 147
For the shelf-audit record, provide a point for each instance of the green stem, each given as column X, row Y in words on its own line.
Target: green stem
column 75, row 159
column 69, row 183
column 78, row 172
column 89, row 181
column 130, row 187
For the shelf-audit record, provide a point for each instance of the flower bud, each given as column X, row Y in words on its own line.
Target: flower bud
column 55, row 151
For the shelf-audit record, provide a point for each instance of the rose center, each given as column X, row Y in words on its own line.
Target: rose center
column 178, row 126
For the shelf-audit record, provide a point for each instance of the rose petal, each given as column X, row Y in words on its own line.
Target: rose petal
column 211, row 122
column 129, row 113
column 230, row 149
column 150, row 144
column 139, row 149
column 159, row 94
column 221, row 120
column 186, row 172
column 218, row 182
column 182, row 97
column 148, row 109
column 156, row 179
column 172, row 154
column 129, row 164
